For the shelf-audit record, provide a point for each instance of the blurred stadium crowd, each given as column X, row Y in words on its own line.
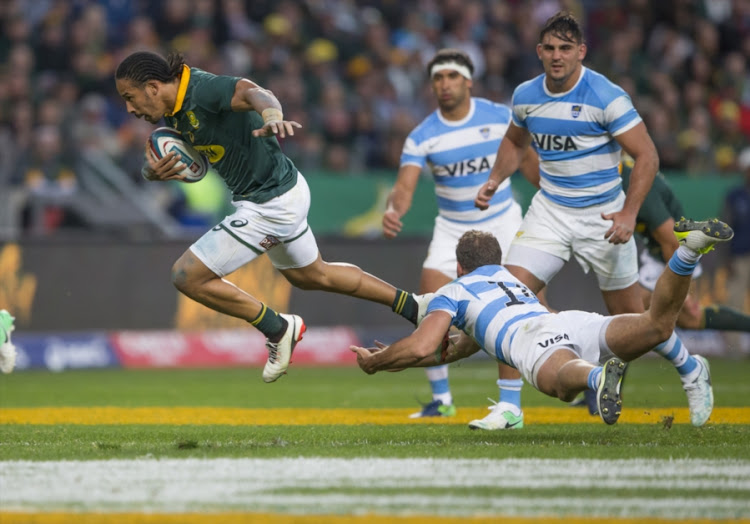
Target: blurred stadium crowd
column 351, row 72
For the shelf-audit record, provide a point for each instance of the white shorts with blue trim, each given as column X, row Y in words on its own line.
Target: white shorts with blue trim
column 581, row 332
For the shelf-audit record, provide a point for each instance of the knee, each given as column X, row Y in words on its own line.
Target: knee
column 566, row 395
column 690, row 322
column 689, row 319
column 186, row 277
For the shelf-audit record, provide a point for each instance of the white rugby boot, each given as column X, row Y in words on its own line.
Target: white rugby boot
column 503, row 415
column 700, row 394
column 280, row 353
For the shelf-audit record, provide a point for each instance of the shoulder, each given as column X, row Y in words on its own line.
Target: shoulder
column 427, row 128
column 529, row 91
column 203, row 79
column 484, row 106
column 599, row 87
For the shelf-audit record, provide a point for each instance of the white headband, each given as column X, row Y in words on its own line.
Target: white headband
column 453, row 66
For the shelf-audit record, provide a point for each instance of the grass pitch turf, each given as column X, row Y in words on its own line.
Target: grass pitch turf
column 561, row 466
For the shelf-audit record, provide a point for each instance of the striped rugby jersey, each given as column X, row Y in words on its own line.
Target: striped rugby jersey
column 488, row 304
column 573, row 133
column 460, row 155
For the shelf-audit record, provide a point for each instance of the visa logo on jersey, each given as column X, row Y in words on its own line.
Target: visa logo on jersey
column 553, row 340
column 469, row 167
column 554, row 142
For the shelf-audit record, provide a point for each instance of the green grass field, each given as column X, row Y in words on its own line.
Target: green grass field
column 333, row 442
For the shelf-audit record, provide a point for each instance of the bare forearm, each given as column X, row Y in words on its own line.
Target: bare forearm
column 261, row 99
column 511, row 156
column 458, row 346
column 530, row 167
column 399, row 202
column 398, row 356
column 513, row 148
column 641, row 180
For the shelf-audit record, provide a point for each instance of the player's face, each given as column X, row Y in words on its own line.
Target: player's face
column 141, row 101
column 562, row 61
column 451, row 89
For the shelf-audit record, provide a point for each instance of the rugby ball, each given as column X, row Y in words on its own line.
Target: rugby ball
column 165, row 139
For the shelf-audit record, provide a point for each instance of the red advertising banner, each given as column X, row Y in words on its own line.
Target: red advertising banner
column 236, row 347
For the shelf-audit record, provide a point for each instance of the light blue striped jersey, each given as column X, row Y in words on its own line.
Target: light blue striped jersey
column 488, row 304
column 460, row 155
column 573, row 133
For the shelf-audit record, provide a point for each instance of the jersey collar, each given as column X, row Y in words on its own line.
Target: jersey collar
column 181, row 90
column 557, row 95
column 457, row 123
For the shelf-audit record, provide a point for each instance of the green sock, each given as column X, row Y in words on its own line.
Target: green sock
column 405, row 305
column 725, row 318
column 270, row 323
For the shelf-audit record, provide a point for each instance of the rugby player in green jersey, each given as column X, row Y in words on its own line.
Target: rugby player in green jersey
column 654, row 223
column 235, row 123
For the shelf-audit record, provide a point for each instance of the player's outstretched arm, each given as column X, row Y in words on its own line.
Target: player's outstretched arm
column 416, row 350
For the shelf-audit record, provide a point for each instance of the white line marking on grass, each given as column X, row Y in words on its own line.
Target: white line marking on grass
column 672, row 489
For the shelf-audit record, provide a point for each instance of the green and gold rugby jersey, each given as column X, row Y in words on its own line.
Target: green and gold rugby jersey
column 660, row 205
column 254, row 169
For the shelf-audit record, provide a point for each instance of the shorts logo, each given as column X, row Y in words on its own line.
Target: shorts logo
column 270, row 241
column 575, row 111
column 553, row 340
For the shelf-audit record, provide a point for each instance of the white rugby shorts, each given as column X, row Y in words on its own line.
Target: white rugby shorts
column 652, row 268
column 560, row 232
column 277, row 227
column 535, row 340
column 441, row 254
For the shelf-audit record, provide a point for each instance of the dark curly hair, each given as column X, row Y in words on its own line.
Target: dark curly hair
column 142, row 66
